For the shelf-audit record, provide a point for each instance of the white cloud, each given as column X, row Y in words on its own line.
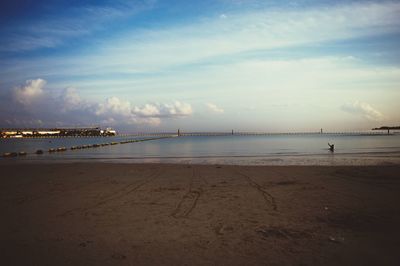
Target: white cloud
column 213, row 108
column 363, row 109
column 177, row 109
column 68, row 107
column 147, row 110
column 150, row 114
column 70, row 99
column 31, row 90
column 114, row 106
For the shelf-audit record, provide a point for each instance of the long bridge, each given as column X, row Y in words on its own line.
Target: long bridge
column 84, row 131
column 245, row 133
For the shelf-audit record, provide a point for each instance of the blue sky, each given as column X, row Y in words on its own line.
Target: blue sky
column 200, row 65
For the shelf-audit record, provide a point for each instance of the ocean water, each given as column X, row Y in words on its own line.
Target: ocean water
column 308, row 149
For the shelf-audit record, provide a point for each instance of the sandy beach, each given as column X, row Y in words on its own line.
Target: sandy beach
column 158, row 214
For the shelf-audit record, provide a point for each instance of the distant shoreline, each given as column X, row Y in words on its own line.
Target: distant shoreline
column 204, row 134
column 338, row 159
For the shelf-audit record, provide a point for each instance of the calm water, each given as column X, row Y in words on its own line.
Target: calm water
column 274, row 149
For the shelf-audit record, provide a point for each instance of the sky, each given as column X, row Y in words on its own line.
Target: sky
column 152, row 65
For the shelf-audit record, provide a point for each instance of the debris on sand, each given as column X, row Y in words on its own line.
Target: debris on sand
column 338, row 240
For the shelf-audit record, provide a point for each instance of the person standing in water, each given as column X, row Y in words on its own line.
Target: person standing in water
column 331, row 147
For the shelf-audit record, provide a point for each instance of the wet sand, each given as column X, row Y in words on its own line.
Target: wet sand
column 155, row 214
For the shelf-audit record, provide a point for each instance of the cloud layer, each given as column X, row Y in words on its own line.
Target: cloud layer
column 213, row 108
column 33, row 105
column 30, row 91
column 363, row 109
column 213, row 39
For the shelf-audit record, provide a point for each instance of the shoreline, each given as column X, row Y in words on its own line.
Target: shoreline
column 150, row 214
column 335, row 159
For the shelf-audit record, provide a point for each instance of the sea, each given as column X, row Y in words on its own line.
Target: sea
column 274, row 149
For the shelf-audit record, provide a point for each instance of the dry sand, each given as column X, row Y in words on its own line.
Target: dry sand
column 154, row 214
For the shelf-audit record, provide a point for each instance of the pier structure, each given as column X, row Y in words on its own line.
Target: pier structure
column 387, row 128
column 248, row 133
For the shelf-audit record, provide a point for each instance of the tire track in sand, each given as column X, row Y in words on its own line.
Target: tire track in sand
column 269, row 199
column 116, row 194
column 189, row 201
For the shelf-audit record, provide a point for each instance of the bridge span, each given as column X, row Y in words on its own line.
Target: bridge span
column 244, row 133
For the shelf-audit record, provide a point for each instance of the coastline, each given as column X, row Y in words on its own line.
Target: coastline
column 233, row 150
column 326, row 159
column 116, row 213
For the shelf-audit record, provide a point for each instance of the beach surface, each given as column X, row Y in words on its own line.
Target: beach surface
column 177, row 214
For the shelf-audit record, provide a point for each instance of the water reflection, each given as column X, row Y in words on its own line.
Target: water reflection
column 279, row 149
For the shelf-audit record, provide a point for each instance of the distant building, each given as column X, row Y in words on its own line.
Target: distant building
column 109, row 132
column 49, row 132
column 10, row 133
column 87, row 131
